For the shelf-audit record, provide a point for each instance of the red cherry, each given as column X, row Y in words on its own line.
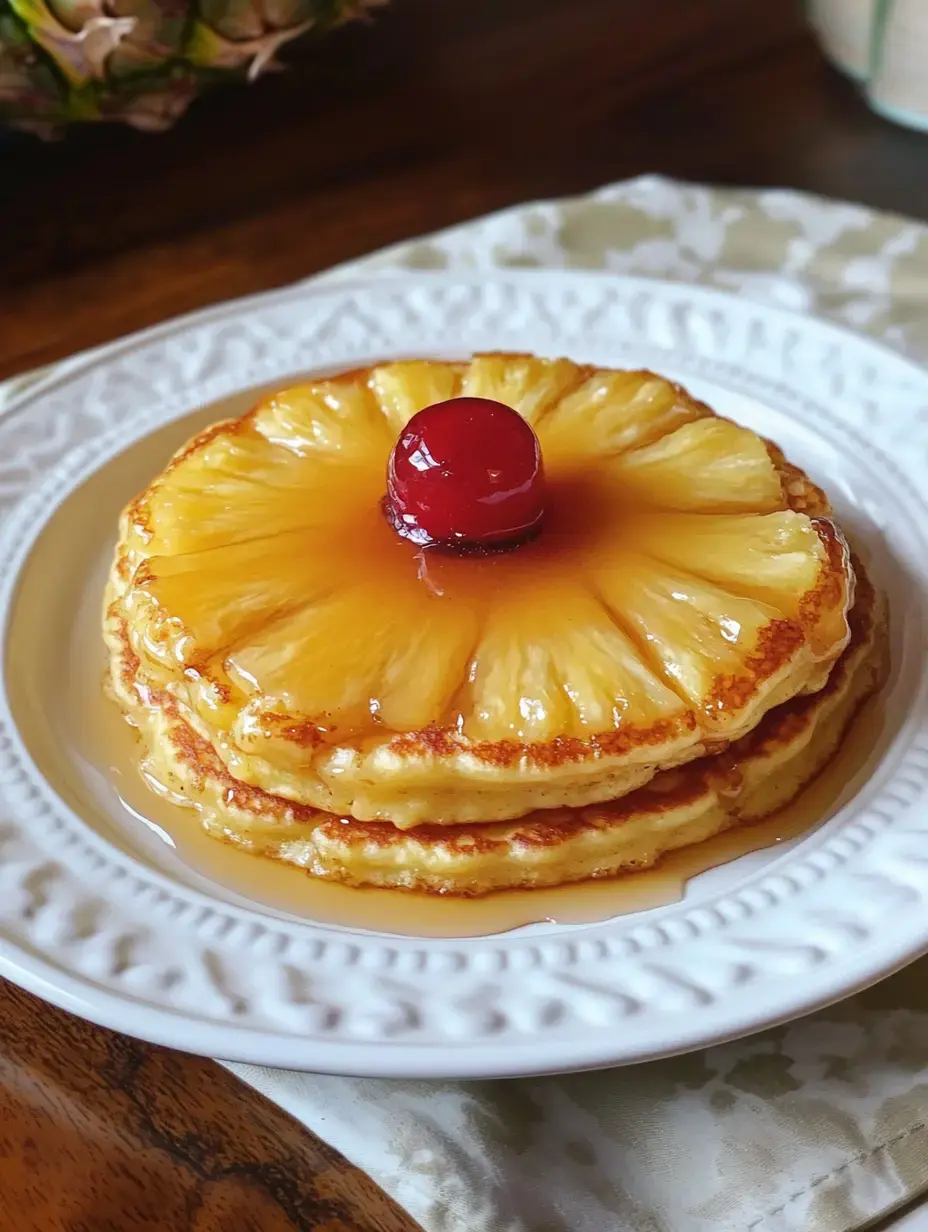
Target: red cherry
column 468, row 472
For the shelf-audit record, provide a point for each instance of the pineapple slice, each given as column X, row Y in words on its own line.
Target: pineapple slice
column 330, row 662
column 613, row 412
column 709, row 466
column 529, row 385
column 720, row 651
column 402, row 389
column 780, row 559
column 236, row 486
column 553, row 663
column 336, row 420
column 217, row 596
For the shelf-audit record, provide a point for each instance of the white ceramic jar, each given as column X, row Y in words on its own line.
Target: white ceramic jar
column 884, row 45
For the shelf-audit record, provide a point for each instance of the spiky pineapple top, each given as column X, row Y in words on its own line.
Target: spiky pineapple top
column 140, row 61
column 675, row 593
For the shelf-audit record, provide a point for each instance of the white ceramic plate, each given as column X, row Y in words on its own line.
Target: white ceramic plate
column 100, row 918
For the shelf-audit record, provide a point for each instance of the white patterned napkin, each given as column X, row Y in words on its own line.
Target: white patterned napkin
column 820, row 1126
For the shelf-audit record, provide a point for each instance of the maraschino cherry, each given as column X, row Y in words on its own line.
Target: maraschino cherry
column 466, row 473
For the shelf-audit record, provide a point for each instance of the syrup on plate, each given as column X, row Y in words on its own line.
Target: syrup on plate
column 111, row 745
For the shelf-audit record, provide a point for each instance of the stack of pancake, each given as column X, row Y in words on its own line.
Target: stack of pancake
column 680, row 650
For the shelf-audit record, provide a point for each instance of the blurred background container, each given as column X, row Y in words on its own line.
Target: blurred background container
column 884, row 45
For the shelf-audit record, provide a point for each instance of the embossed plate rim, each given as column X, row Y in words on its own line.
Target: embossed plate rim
column 469, row 1045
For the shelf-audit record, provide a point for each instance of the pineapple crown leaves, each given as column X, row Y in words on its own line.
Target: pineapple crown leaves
column 142, row 61
column 81, row 53
column 30, row 85
column 209, row 49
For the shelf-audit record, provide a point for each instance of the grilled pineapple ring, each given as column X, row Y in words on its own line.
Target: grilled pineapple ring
column 687, row 579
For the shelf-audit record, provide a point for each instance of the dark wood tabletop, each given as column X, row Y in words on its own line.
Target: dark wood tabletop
column 438, row 111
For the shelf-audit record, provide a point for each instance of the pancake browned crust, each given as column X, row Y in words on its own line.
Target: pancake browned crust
column 687, row 580
column 752, row 779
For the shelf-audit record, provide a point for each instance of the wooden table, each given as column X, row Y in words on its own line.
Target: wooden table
column 441, row 110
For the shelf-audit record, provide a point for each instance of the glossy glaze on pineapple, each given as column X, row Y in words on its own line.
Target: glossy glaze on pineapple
column 673, row 595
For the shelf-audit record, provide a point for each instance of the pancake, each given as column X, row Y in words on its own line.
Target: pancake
column 751, row 779
column 687, row 580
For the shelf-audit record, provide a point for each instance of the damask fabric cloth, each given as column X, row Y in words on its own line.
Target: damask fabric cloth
column 820, row 1126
